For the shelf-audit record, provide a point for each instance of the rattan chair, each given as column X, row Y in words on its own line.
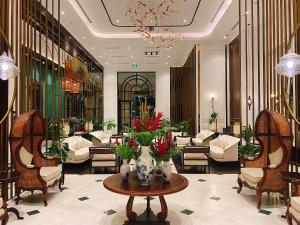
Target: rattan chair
column 39, row 173
column 274, row 134
column 3, row 212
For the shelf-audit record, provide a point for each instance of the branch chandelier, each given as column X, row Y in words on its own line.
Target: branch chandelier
column 152, row 20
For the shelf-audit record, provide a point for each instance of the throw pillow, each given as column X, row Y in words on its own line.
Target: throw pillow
column 276, row 157
column 25, row 156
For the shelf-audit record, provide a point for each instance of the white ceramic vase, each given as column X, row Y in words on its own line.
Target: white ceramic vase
column 124, row 170
column 166, row 170
column 144, row 166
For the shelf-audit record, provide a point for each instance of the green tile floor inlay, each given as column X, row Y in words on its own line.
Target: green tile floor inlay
column 33, row 212
column 99, row 180
column 110, row 212
column 235, row 188
column 201, row 180
column 83, row 199
column 187, row 212
column 266, row 212
column 215, row 198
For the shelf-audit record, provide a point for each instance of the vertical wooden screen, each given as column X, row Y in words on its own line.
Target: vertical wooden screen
column 265, row 29
column 183, row 92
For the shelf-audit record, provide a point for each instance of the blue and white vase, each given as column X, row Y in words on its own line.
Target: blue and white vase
column 144, row 167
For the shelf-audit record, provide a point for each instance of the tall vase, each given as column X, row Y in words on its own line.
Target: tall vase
column 144, row 167
column 124, row 170
column 166, row 170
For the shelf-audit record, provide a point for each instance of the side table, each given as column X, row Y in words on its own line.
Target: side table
column 195, row 156
column 6, row 178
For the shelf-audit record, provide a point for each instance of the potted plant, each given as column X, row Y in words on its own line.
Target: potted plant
column 162, row 151
column 248, row 150
column 58, row 149
column 73, row 122
column 96, row 124
column 213, row 121
column 109, row 125
column 184, row 127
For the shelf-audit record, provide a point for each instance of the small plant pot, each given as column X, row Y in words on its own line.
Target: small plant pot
column 250, row 157
column 124, row 170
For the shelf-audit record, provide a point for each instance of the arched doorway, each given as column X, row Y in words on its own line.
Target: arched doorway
column 134, row 88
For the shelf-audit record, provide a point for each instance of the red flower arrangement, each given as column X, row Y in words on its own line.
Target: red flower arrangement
column 163, row 149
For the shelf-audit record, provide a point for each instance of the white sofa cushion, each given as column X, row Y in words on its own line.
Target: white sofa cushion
column 254, row 175
column 195, row 162
column 181, row 141
column 295, row 213
column 276, row 157
column 176, row 134
column 50, row 172
column 197, row 141
column 195, row 156
column 216, row 152
column 104, row 157
column 79, row 154
column 2, row 211
column 1, row 202
column 25, row 156
column 103, row 163
column 295, row 203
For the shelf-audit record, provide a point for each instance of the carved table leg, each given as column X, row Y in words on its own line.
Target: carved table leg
column 164, row 209
column 129, row 213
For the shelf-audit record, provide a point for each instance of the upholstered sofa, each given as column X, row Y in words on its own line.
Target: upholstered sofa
column 79, row 149
column 202, row 137
column 100, row 138
column 3, row 213
column 224, row 148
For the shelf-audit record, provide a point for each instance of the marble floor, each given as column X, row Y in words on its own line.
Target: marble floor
column 210, row 199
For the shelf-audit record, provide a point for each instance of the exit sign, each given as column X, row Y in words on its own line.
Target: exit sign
column 134, row 65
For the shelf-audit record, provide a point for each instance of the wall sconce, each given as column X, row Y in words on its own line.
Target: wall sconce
column 212, row 101
column 249, row 102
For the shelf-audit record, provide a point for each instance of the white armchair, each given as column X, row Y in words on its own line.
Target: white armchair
column 100, row 138
column 202, row 137
column 79, row 149
column 224, row 148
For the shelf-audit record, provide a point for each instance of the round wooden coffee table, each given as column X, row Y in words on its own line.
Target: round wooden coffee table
column 156, row 188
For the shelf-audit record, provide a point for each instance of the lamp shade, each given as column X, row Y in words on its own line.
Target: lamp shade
column 8, row 68
column 289, row 65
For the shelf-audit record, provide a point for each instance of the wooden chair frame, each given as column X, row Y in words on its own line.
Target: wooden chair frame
column 270, row 126
column 28, row 131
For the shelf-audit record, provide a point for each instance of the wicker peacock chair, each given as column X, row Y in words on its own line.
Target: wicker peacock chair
column 274, row 134
column 26, row 136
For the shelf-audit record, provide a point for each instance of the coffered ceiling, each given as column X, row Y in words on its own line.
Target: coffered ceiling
column 97, row 25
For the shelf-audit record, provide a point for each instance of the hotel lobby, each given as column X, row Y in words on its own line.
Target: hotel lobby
column 149, row 112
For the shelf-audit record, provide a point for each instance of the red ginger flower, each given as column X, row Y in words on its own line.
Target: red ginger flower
column 157, row 122
column 161, row 147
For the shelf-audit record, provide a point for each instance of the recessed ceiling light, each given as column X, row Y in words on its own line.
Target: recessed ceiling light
column 128, row 47
column 118, row 21
column 84, row 37
column 168, row 56
column 131, row 56
column 167, row 63
column 100, row 56
column 151, row 21
column 106, row 63
column 184, row 20
column 63, row 12
column 93, row 48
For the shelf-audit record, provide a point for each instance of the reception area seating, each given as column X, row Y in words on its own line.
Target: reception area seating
column 78, row 149
column 195, row 156
column 224, row 148
column 203, row 137
column 103, row 157
column 274, row 134
column 100, row 138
